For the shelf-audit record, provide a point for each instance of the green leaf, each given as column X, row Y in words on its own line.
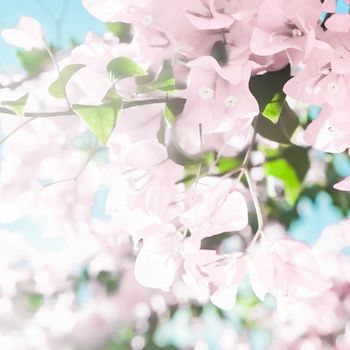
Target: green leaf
column 101, row 119
column 298, row 158
column 265, row 86
column 32, row 301
column 122, row 67
column 164, row 81
column 225, row 165
column 169, row 116
column 282, row 170
column 17, row 106
column 280, row 132
column 120, row 30
column 56, row 89
column 273, row 110
column 109, row 280
column 34, row 60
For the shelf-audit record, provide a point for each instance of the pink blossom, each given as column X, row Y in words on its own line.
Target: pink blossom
column 214, row 207
column 27, row 35
column 343, row 185
column 208, row 14
column 289, row 27
column 286, row 268
column 158, row 260
column 207, row 273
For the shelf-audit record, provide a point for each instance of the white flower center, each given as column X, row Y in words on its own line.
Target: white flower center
column 332, row 88
column 297, row 32
column 206, row 93
column 147, row 20
column 230, row 101
column 309, row 90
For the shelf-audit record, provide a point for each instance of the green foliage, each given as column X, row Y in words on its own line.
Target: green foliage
column 282, row 170
column 173, row 108
column 17, row 106
column 164, row 81
column 280, row 132
column 265, row 86
column 122, row 67
column 33, row 61
column 109, row 280
column 290, row 165
column 100, row 119
column 121, row 30
column 32, row 301
column 57, row 88
column 226, row 165
column 273, row 110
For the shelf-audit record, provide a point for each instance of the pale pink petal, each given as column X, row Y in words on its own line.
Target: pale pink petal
column 343, row 185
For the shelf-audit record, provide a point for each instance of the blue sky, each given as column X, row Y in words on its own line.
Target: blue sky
column 76, row 22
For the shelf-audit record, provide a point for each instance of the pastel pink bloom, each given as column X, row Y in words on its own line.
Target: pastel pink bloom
column 208, row 14
column 339, row 22
column 112, row 10
column 147, row 198
column 158, row 260
column 227, row 135
column 329, row 132
column 329, row 6
column 286, row 268
column 225, row 276
column 330, row 246
column 27, row 35
column 154, row 161
column 289, row 27
column 215, row 206
column 207, row 273
column 318, row 83
column 95, row 53
column 343, row 185
column 214, row 92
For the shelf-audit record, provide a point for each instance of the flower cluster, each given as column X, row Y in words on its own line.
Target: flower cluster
column 181, row 88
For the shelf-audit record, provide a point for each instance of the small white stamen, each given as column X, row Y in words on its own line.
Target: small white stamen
column 206, row 93
column 308, row 90
column 147, row 20
column 230, row 101
column 297, row 32
column 332, row 88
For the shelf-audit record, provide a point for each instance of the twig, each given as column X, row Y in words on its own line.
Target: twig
column 16, row 129
column 257, row 207
column 70, row 113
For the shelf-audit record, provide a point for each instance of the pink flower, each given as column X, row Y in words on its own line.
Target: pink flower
column 288, row 26
column 208, row 14
column 343, row 185
column 27, row 35
column 329, row 6
column 330, row 131
column 207, row 273
column 339, row 22
column 158, row 260
column 214, row 207
column 286, row 268
column 215, row 92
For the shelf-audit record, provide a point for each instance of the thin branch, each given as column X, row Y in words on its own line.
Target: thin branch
column 199, row 169
column 70, row 112
column 76, row 177
column 52, row 57
column 257, row 207
column 16, row 129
